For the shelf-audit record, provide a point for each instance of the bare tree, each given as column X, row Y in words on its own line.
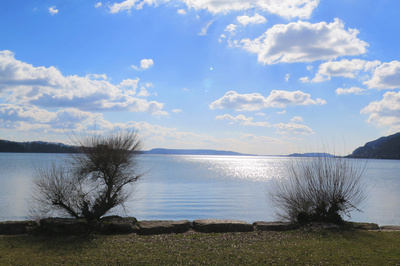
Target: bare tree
column 319, row 189
column 93, row 181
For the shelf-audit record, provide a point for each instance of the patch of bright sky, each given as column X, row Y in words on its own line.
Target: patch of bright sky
column 254, row 76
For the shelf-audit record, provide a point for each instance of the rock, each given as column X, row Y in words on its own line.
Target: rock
column 220, row 226
column 163, row 227
column 17, row 227
column 323, row 226
column 273, row 226
column 390, row 228
column 70, row 226
column 117, row 225
column 365, row 226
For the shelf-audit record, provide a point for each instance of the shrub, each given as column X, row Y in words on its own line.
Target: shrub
column 319, row 189
column 93, row 181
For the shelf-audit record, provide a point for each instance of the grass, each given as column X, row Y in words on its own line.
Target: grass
column 292, row 247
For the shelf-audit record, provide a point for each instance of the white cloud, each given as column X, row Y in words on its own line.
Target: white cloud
column 130, row 4
column 287, row 77
column 256, row 19
column 293, row 129
column 283, row 8
column 352, row 90
column 305, row 42
column 181, row 11
column 255, row 101
column 385, row 112
column 344, row 68
column 297, row 119
column 242, row 120
column 231, row 28
column 53, row 10
column 144, row 64
column 176, row 111
column 204, row 30
column 386, row 76
column 98, row 5
column 143, row 92
column 32, row 118
column 22, row 83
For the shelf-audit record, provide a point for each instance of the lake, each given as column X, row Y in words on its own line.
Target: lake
column 198, row 187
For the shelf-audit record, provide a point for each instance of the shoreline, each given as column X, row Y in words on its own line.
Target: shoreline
column 129, row 225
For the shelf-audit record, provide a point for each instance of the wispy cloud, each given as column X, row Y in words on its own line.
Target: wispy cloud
column 204, row 30
column 242, row 120
column 284, row 8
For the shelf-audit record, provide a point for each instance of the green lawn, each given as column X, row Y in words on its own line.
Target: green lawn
column 293, row 247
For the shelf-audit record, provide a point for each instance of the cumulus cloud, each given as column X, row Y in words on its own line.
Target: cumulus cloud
column 32, row 118
column 255, row 101
column 242, row 120
column 297, row 119
column 385, row 112
column 283, row 8
column 344, row 68
column 181, row 11
column 293, row 129
column 53, row 10
column 386, row 76
column 352, row 90
column 98, row 5
column 23, row 83
column 144, row 64
column 305, row 42
column 256, row 19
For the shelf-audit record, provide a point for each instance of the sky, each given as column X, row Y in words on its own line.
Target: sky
column 266, row 77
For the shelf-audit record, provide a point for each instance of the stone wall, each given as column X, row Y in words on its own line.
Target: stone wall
column 129, row 225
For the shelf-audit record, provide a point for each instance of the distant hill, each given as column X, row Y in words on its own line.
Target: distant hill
column 192, row 152
column 35, row 147
column 311, row 154
column 49, row 147
column 382, row 148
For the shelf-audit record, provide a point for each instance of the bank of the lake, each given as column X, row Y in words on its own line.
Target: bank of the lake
column 250, row 248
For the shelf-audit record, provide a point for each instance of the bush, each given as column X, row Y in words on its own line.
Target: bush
column 93, row 181
column 319, row 189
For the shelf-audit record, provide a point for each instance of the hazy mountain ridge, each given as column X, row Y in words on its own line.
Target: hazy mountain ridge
column 311, row 154
column 194, row 152
column 383, row 148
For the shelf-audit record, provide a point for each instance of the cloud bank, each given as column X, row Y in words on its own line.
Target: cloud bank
column 255, row 101
column 24, row 84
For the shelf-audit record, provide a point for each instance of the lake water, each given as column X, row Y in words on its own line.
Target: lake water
column 199, row 187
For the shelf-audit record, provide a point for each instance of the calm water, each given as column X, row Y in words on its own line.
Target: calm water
column 196, row 187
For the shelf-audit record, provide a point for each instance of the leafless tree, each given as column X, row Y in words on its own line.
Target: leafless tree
column 93, row 181
column 319, row 189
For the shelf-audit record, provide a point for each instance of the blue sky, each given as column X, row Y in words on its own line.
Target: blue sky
column 254, row 76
